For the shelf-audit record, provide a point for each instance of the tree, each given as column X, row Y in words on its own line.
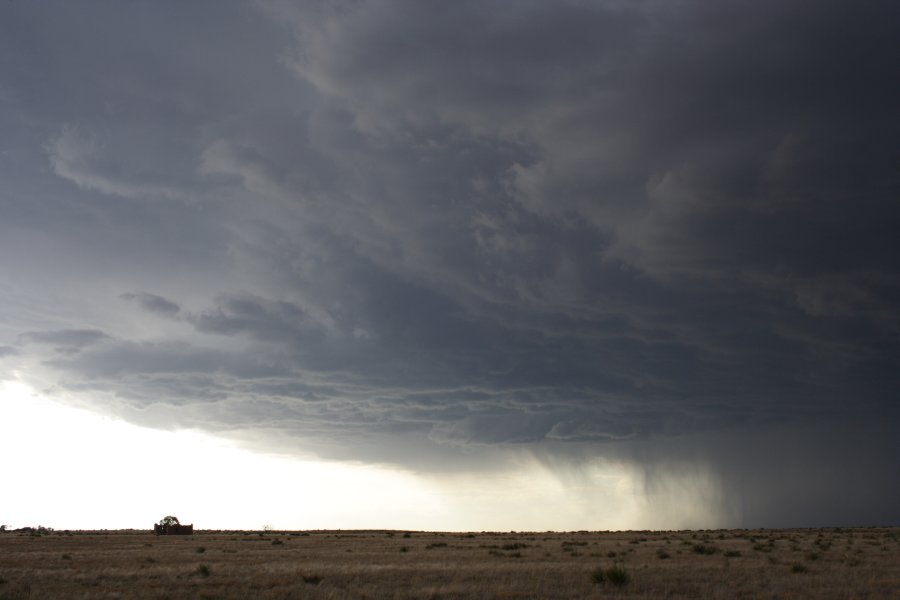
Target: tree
column 170, row 520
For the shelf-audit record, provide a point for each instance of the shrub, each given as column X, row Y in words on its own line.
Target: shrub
column 704, row 549
column 67, row 557
column 617, row 576
column 614, row 575
column 798, row 568
column 21, row 592
column 514, row 546
column 732, row 553
column 201, row 550
column 277, row 542
column 312, row 579
column 662, row 554
column 203, row 571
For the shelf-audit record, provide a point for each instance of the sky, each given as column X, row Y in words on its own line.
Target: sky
column 549, row 264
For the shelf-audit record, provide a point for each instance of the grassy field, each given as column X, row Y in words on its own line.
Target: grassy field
column 809, row 563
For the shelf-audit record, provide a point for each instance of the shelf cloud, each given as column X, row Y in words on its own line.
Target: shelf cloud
column 433, row 234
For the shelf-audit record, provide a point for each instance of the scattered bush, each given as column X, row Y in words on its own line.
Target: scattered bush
column 704, row 549
column 277, row 542
column 614, row 575
column 436, row 545
column 20, row 592
column 617, row 576
column 732, row 553
column 201, row 550
column 662, row 554
column 404, row 548
column 798, row 568
column 67, row 557
column 312, row 579
column 514, row 546
column 203, row 571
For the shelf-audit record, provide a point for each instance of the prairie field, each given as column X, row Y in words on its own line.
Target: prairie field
column 776, row 564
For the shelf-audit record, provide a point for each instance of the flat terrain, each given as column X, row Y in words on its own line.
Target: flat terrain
column 809, row 563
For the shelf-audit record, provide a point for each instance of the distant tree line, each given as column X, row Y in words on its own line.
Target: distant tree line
column 39, row 530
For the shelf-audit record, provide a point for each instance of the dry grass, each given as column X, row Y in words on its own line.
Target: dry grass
column 827, row 563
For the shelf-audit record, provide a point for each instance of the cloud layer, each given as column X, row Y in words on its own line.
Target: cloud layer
column 429, row 233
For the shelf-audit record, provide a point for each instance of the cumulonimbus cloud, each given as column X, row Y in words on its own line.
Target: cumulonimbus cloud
column 557, row 227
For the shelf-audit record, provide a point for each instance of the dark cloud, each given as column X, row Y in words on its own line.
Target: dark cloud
column 255, row 317
column 153, row 303
column 407, row 232
column 120, row 360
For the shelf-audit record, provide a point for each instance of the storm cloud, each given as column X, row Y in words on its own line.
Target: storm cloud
column 153, row 303
column 425, row 233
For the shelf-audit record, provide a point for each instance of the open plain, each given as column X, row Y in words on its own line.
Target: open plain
column 776, row 564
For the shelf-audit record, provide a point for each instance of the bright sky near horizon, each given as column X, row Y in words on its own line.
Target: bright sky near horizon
column 548, row 264
column 69, row 468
